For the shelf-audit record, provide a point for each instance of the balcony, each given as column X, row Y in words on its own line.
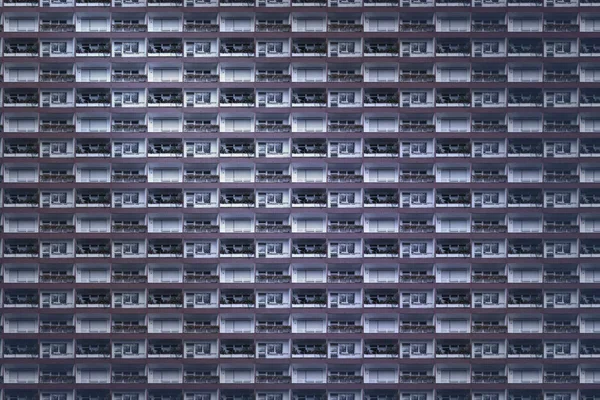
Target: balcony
column 309, row 149
column 343, row 228
column 166, row 150
column 417, row 127
column 345, row 178
column 194, row 27
column 96, row 300
column 273, row 78
column 419, row 379
column 492, row 127
column 57, row 328
column 344, row 28
column 274, row 379
column 350, row 128
column 21, row 250
column 489, row 178
column 209, row 128
column 417, row 178
column 273, row 128
column 62, row 379
column 345, row 78
column 93, row 100
column 93, row 250
column 207, row 78
column 129, row 27
column 165, row 100
column 525, row 250
column 50, row 278
column 92, row 351
column 390, row 150
column 561, row 329
column 488, row 27
column 552, row 27
column 489, row 77
column 449, row 351
column 408, row 328
column 262, row 278
column 267, row 228
column 238, row 351
column 169, row 350
column 417, row 27
column 316, row 300
column 127, row 278
column 454, row 300
column 129, row 228
column 303, row 351
column 247, row 200
column 100, row 49
column 410, row 77
column 61, row 178
column 57, row 77
column 125, row 328
column 129, row 78
column 560, row 378
column 193, row 378
column 489, row 379
column 561, row 128
column 129, row 379
column 196, row 228
column 26, row 100
column 382, row 299
column 245, row 300
column 165, row 50
column 554, row 228
column 29, row 300
column 416, row 278
column 169, row 300
column 263, row 27
column 487, row 228
column 273, row 178
column 482, row 278
column 477, row 328
column 58, row 128
column 554, row 77
column 30, row 351
column 238, row 99
column 273, row 329
column 525, row 300
column 344, row 379
column 344, row 328
column 129, row 178
column 190, row 327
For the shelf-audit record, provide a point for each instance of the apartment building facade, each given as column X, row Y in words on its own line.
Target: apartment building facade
column 300, row 200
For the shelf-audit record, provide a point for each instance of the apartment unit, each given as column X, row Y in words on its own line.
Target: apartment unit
column 300, row 200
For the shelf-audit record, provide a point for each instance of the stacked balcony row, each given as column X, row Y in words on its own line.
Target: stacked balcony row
column 350, row 73
column 308, row 273
column 316, row 4
column 339, row 22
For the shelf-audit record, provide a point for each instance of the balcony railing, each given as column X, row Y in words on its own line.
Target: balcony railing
column 130, row 379
column 345, row 279
column 194, row 228
column 417, row 128
column 173, row 299
column 129, row 78
column 414, row 278
column 550, row 228
column 270, row 178
column 126, row 228
column 27, row 350
column 479, row 27
column 489, row 178
column 561, row 28
column 417, row 178
column 62, row 178
column 211, row 128
column 62, row 379
column 346, row 178
column 529, row 300
column 126, row 278
column 273, row 329
column 417, row 28
column 561, row 329
column 200, row 78
column 489, row 329
column 129, row 178
column 57, row 328
column 482, row 278
column 189, row 278
column 200, row 379
column 260, row 228
column 491, row 379
column 93, row 350
column 344, row 27
column 417, row 328
column 273, row 278
column 48, row 278
column 129, row 328
column 551, row 77
column 459, row 351
column 57, row 78
column 197, row 328
column 129, row 27
column 410, row 228
column 281, row 379
column 341, row 228
column 345, row 128
column 566, row 178
column 273, row 28
column 345, row 77
column 191, row 27
column 417, row 379
column 566, row 379
column 273, row 128
column 561, row 128
column 203, row 178
column 561, row 278
column 344, row 329
column 344, row 379
column 479, row 77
